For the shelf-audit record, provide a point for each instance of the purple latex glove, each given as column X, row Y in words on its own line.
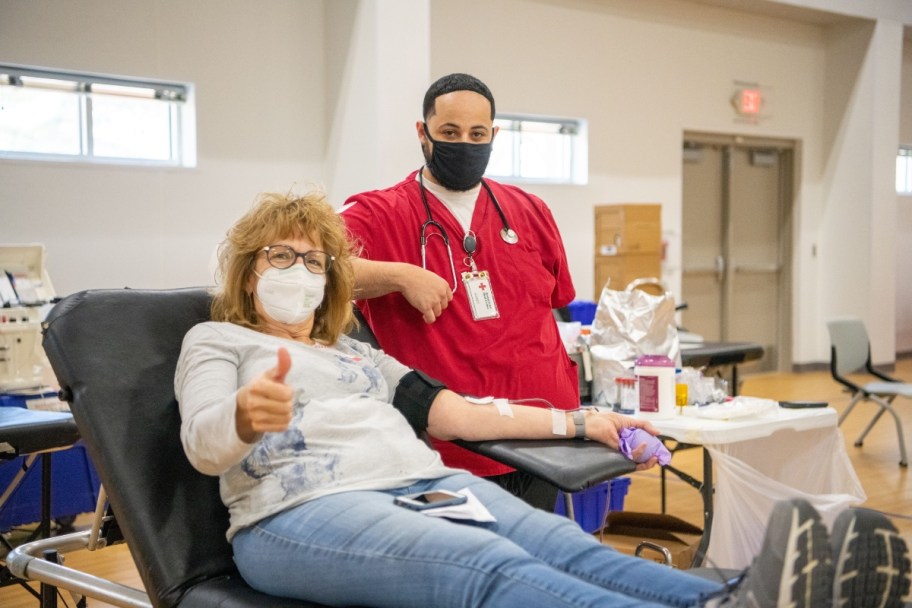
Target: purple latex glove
column 631, row 438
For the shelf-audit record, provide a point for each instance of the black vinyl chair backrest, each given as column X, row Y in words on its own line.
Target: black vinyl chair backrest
column 114, row 353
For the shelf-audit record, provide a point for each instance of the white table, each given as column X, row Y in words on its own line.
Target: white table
column 785, row 453
column 690, row 428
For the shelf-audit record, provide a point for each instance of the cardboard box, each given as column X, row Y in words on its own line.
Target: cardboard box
column 626, row 530
column 628, row 228
column 623, row 269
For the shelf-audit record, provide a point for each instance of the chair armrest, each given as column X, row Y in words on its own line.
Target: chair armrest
column 30, row 431
column 568, row 464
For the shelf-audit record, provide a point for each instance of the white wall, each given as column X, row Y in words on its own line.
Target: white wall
column 642, row 76
column 904, row 217
column 258, row 72
column 329, row 90
column 857, row 231
column 377, row 72
column 643, row 73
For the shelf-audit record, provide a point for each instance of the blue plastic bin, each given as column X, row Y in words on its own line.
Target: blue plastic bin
column 589, row 505
column 74, row 488
column 74, row 481
column 22, row 398
column 582, row 311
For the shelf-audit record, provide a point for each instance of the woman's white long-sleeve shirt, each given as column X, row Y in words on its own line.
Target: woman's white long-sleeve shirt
column 345, row 434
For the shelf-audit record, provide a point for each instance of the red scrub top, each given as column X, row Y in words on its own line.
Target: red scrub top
column 518, row 355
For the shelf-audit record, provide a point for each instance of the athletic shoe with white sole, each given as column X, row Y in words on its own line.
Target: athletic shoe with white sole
column 794, row 568
column 870, row 561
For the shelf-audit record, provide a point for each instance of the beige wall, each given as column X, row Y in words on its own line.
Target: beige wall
column 339, row 91
column 904, row 217
column 259, row 96
column 644, row 73
column 641, row 77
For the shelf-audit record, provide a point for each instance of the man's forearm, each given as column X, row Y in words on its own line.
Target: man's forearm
column 425, row 291
column 374, row 279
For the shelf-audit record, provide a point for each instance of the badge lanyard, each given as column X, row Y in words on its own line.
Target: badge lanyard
column 477, row 283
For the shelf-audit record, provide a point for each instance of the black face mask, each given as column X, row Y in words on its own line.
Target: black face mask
column 457, row 165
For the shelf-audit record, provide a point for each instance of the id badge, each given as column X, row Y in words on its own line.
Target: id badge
column 481, row 296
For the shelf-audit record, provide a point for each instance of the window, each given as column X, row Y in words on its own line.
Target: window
column 540, row 149
column 904, row 170
column 63, row 116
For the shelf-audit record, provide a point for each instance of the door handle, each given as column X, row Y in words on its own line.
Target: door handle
column 756, row 268
column 720, row 268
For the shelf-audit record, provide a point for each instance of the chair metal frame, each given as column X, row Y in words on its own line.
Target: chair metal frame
column 850, row 353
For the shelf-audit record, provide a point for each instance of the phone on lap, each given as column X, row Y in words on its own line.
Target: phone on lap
column 430, row 500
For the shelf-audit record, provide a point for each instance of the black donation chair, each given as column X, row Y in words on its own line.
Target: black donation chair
column 114, row 353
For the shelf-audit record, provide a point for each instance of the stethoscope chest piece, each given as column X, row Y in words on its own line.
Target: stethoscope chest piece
column 509, row 236
column 470, row 243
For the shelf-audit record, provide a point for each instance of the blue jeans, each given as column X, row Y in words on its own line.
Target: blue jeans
column 359, row 549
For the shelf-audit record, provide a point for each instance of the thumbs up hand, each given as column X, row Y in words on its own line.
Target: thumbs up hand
column 265, row 403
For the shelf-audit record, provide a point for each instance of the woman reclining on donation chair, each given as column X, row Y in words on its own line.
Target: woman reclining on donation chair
column 313, row 436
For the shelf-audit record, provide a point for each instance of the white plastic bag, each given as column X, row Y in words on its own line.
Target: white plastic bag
column 751, row 476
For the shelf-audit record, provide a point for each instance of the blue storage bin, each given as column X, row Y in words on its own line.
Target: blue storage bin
column 24, row 399
column 74, row 487
column 582, row 311
column 589, row 505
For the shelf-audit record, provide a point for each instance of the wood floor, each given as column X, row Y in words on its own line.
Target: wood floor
column 887, row 485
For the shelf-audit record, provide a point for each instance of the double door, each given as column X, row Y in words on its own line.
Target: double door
column 736, row 243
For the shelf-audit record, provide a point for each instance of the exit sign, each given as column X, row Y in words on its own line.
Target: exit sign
column 748, row 101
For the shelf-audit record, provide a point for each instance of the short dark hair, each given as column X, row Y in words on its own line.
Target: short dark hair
column 451, row 83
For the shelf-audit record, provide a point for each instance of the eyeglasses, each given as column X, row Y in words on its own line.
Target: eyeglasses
column 283, row 256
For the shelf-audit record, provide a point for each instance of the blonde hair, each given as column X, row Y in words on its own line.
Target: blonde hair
column 282, row 216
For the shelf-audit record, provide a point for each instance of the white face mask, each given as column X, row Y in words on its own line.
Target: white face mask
column 290, row 295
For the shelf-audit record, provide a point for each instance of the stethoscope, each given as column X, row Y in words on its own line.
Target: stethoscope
column 469, row 242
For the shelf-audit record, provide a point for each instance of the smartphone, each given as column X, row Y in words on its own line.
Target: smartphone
column 430, row 500
column 795, row 405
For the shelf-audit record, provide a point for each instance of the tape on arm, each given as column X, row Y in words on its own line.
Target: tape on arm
column 559, row 422
column 414, row 396
column 503, row 405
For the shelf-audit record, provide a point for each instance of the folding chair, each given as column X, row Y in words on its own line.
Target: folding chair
column 114, row 353
column 850, row 352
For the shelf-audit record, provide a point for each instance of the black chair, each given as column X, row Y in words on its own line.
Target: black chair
column 114, row 353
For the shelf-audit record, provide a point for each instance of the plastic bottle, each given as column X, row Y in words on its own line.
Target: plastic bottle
column 656, row 384
column 680, row 389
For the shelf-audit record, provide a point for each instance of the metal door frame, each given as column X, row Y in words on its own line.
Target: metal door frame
column 788, row 151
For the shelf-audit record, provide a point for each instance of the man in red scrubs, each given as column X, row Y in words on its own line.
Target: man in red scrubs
column 458, row 275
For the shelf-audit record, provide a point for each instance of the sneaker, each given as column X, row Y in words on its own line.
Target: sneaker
column 794, row 567
column 870, row 561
